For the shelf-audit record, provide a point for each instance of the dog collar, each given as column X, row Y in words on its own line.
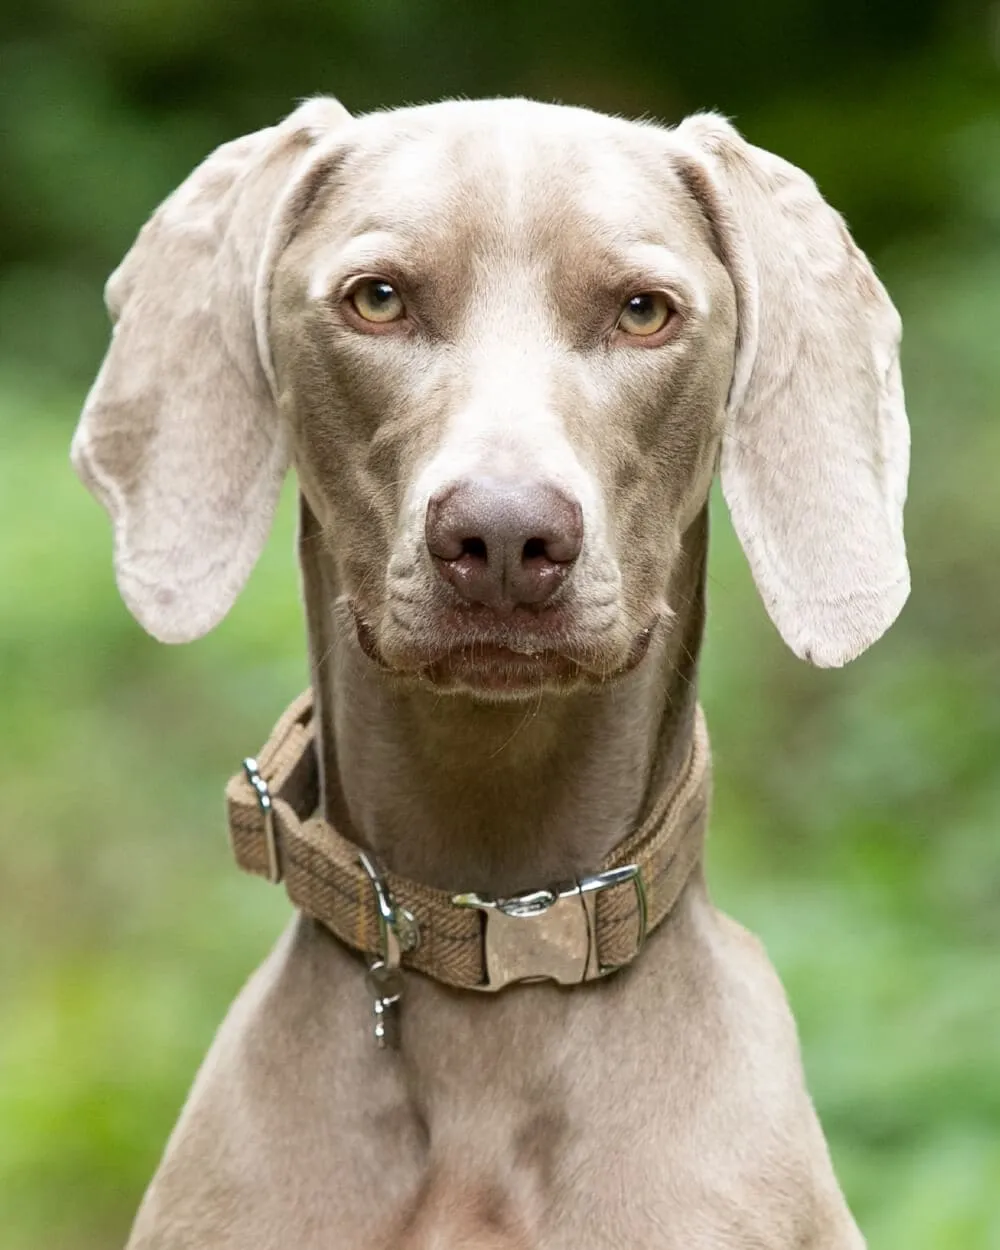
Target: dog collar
column 570, row 932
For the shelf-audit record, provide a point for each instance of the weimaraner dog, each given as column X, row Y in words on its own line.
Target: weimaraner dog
column 505, row 346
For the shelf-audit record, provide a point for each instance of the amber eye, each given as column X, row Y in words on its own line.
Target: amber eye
column 645, row 313
column 378, row 301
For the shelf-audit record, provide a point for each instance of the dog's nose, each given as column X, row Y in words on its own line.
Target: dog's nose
column 502, row 543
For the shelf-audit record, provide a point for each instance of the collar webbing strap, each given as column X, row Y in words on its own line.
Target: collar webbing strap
column 276, row 833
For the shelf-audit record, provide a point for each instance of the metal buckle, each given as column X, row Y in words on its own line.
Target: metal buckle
column 267, row 807
column 550, row 935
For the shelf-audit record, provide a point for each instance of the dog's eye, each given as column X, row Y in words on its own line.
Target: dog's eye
column 645, row 313
column 377, row 301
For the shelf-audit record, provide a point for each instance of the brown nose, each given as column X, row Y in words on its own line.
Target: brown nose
column 503, row 543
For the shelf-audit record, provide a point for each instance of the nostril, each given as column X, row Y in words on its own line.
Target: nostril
column 474, row 547
column 535, row 549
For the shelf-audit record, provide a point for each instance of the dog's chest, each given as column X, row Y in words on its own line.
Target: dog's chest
column 452, row 1213
column 661, row 1120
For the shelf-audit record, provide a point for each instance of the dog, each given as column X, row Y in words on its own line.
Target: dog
column 506, row 347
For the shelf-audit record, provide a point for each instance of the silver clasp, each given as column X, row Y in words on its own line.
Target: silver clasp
column 398, row 934
column 260, row 788
column 550, row 935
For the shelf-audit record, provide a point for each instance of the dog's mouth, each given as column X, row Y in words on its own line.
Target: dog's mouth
column 492, row 668
column 503, row 662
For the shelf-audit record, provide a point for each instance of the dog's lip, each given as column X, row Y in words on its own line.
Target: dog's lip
column 495, row 667
column 467, row 649
column 495, row 660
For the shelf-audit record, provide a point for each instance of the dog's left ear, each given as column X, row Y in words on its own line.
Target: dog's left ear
column 180, row 438
column 816, row 447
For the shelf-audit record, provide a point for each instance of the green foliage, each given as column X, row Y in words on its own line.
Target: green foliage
column 856, row 814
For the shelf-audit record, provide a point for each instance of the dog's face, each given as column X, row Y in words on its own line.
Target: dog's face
column 504, row 345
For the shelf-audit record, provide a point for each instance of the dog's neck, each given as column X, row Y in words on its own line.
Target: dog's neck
column 497, row 797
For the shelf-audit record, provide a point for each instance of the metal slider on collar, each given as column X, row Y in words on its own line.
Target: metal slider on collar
column 261, row 789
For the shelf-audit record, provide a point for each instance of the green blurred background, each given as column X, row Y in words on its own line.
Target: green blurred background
column 856, row 816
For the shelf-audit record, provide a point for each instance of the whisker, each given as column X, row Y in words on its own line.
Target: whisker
column 528, row 716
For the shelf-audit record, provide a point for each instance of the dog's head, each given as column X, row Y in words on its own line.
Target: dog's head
column 505, row 345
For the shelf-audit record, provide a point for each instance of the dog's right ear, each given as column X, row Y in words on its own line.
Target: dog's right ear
column 179, row 438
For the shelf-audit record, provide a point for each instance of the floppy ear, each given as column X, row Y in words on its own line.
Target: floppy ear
column 180, row 438
column 816, row 449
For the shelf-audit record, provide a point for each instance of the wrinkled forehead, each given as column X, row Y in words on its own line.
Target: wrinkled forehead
column 512, row 180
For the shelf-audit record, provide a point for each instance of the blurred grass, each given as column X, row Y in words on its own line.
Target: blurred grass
column 856, row 815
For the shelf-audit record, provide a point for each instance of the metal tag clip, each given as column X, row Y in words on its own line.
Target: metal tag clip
column 398, row 934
